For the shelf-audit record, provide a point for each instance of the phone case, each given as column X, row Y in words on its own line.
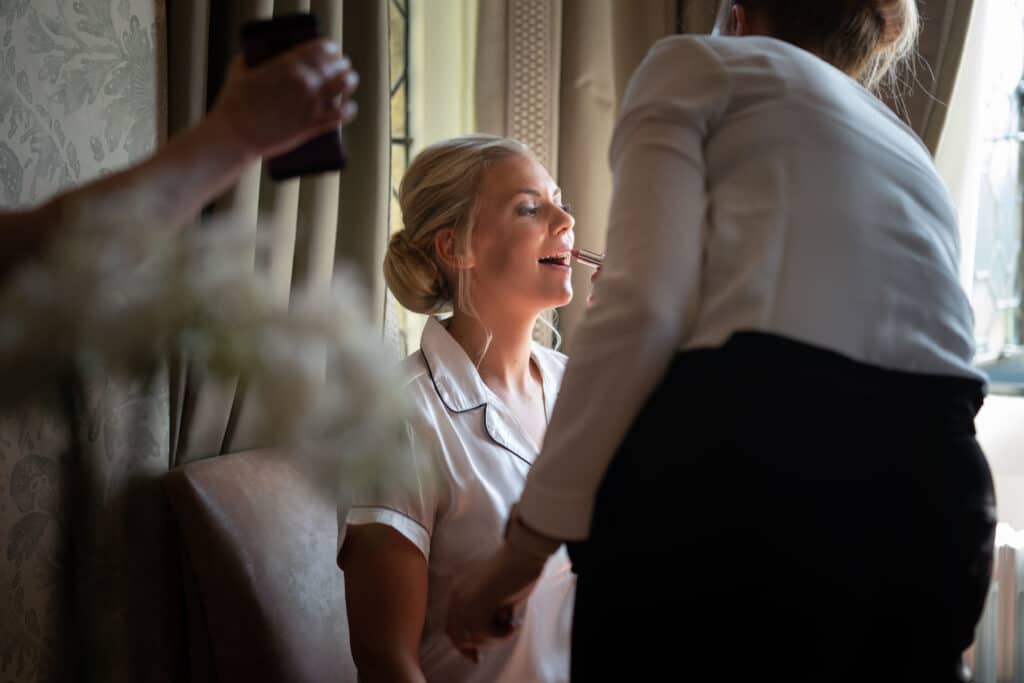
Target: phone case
column 263, row 39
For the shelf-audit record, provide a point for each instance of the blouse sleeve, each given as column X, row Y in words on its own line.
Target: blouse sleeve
column 648, row 293
column 409, row 507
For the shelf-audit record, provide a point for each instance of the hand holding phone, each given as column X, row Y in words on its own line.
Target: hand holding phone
column 264, row 39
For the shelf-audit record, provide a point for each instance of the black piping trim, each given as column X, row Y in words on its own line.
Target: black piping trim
column 430, row 371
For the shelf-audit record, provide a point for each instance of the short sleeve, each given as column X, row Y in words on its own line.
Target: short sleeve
column 409, row 508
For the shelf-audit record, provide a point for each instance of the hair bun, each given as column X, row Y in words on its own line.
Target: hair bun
column 413, row 276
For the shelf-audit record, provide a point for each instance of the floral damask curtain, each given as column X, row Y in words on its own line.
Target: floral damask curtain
column 79, row 97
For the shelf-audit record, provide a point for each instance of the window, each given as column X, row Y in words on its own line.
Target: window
column 997, row 274
column 433, row 57
column 397, row 319
column 980, row 157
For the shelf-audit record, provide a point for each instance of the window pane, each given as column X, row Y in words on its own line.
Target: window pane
column 997, row 272
column 433, row 49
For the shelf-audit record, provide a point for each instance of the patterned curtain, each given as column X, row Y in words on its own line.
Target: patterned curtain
column 80, row 96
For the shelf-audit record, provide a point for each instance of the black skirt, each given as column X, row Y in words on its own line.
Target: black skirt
column 781, row 512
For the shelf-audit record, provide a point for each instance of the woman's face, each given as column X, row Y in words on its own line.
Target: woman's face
column 520, row 246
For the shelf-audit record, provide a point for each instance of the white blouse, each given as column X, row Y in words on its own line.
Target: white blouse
column 473, row 457
column 756, row 188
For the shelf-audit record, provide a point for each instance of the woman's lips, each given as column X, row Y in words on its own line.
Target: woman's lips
column 558, row 259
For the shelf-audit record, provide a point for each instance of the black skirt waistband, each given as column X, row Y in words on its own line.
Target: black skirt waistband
column 791, row 369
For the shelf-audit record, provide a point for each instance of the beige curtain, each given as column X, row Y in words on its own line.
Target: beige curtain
column 577, row 56
column 944, row 32
column 321, row 222
column 606, row 43
column 518, row 79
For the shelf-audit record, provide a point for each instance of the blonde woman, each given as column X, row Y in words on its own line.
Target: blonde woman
column 487, row 236
column 763, row 456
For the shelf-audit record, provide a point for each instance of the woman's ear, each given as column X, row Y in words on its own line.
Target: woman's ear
column 444, row 245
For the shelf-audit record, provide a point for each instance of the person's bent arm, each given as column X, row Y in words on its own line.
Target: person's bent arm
column 645, row 304
column 386, row 598
column 260, row 112
column 649, row 292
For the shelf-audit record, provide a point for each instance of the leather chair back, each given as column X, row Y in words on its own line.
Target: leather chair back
column 264, row 595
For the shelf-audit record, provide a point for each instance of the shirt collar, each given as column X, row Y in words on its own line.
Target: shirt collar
column 457, row 380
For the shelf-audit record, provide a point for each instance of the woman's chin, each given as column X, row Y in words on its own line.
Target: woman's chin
column 564, row 299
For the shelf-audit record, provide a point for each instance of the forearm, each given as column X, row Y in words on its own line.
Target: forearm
column 23, row 234
column 260, row 112
column 172, row 186
column 646, row 301
column 386, row 600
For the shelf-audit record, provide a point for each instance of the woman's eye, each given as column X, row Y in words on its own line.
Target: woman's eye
column 528, row 210
column 567, row 207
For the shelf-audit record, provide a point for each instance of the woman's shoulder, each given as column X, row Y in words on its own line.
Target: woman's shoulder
column 713, row 47
column 748, row 54
column 414, row 372
column 686, row 51
column 551, row 355
column 552, row 362
column 413, row 368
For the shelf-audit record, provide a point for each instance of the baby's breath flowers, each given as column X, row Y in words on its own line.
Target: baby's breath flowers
column 122, row 297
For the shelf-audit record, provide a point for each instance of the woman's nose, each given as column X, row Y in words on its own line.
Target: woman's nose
column 564, row 221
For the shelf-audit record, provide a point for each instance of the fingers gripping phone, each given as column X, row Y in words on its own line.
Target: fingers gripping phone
column 263, row 39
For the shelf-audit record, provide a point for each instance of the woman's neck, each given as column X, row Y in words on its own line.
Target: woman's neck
column 506, row 364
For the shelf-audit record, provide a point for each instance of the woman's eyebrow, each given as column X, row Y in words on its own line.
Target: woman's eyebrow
column 534, row 193
column 525, row 190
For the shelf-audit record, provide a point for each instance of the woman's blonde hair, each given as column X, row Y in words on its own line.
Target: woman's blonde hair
column 440, row 190
column 868, row 39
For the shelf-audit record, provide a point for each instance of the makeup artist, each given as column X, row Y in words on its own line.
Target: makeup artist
column 763, row 456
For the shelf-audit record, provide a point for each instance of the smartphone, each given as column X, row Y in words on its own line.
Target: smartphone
column 265, row 38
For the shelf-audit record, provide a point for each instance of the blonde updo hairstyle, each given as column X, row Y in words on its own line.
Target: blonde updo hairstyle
column 440, row 190
column 868, row 39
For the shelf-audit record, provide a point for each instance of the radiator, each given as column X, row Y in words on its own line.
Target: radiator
column 997, row 655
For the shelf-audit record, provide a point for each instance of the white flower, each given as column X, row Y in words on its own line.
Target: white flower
column 122, row 297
